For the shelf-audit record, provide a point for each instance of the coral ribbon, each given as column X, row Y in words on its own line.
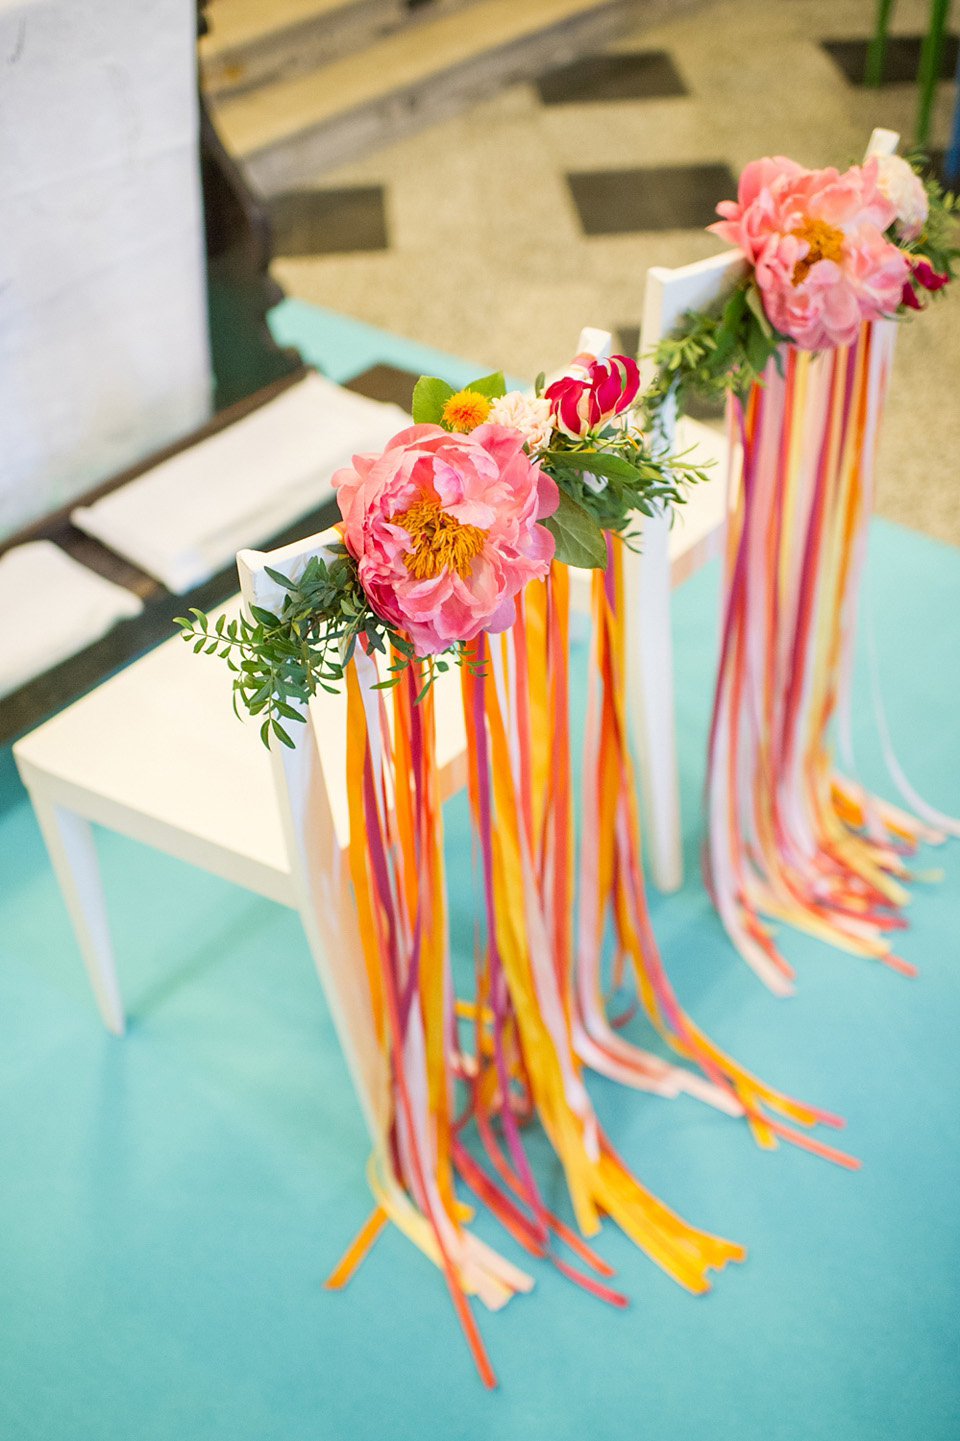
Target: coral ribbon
column 790, row 838
column 611, row 883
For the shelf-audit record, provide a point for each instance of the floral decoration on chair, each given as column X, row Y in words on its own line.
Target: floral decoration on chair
column 443, row 529
column 826, row 250
column 802, row 348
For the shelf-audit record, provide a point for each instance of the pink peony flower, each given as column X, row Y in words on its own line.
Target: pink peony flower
column 590, row 395
column 444, row 530
column 815, row 240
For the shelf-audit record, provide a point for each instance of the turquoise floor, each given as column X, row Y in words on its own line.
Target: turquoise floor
column 171, row 1203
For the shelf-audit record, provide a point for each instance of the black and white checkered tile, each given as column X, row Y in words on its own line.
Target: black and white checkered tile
column 608, row 201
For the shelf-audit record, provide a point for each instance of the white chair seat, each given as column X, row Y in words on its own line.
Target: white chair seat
column 157, row 754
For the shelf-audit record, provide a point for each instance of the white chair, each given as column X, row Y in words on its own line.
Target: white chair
column 669, row 556
column 157, row 754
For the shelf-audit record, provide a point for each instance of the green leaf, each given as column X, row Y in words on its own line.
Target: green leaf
column 723, row 345
column 288, row 711
column 492, row 386
column 756, row 305
column 539, row 383
column 281, row 735
column 430, row 395
column 265, row 617
column 594, row 462
column 759, row 349
column 281, row 579
column 734, row 308
column 580, row 541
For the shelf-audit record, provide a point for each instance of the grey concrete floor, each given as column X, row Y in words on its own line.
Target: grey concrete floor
column 487, row 258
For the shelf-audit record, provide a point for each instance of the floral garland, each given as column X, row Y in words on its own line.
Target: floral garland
column 825, row 251
column 442, row 531
column 802, row 348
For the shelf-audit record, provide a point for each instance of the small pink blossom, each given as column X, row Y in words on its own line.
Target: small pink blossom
column 593, row 393
column 527, row 414
column 815, row 240
column 923, row 274
column 444, row 530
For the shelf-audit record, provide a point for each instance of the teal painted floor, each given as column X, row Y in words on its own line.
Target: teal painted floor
column 171, row 1203
column 343, row 347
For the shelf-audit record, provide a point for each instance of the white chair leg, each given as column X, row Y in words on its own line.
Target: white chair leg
column 73, row 855
column 649, row 682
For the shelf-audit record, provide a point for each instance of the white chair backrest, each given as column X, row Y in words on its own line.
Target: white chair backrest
column 598, row 343
column 669, row 294
column 311, row 782
column 649, row 671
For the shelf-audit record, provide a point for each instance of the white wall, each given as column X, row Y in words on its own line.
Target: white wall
column 103, row 332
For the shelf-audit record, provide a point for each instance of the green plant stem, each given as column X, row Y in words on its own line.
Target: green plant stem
column 877, row 49
column 929, row 71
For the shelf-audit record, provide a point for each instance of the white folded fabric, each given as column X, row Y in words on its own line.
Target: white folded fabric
column 185, row 519
column 52, row 607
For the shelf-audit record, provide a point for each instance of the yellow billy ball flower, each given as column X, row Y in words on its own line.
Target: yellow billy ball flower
column 465, row 410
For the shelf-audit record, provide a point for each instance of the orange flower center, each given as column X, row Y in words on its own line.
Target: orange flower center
column 466, row 410
column 825, row 241
column 440, row 542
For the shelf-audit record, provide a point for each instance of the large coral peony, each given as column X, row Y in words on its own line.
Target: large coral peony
column 815, row 240
column 444, row 530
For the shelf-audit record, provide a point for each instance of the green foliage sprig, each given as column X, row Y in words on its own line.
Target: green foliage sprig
column 939, row 242
column 712, row 352
column 605, row 482
column 280, row 661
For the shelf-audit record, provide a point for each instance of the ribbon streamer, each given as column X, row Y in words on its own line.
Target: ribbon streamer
column 522, row 1060
column 521, row 797
column 612, row 884
column 790, row 838
column 538, row 1014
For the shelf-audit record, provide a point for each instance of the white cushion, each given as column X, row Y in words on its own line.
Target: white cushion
column 185, row 519
column 52, row 607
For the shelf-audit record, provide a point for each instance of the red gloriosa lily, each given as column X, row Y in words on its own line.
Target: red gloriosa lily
column 923, row 274
column 587, row 401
